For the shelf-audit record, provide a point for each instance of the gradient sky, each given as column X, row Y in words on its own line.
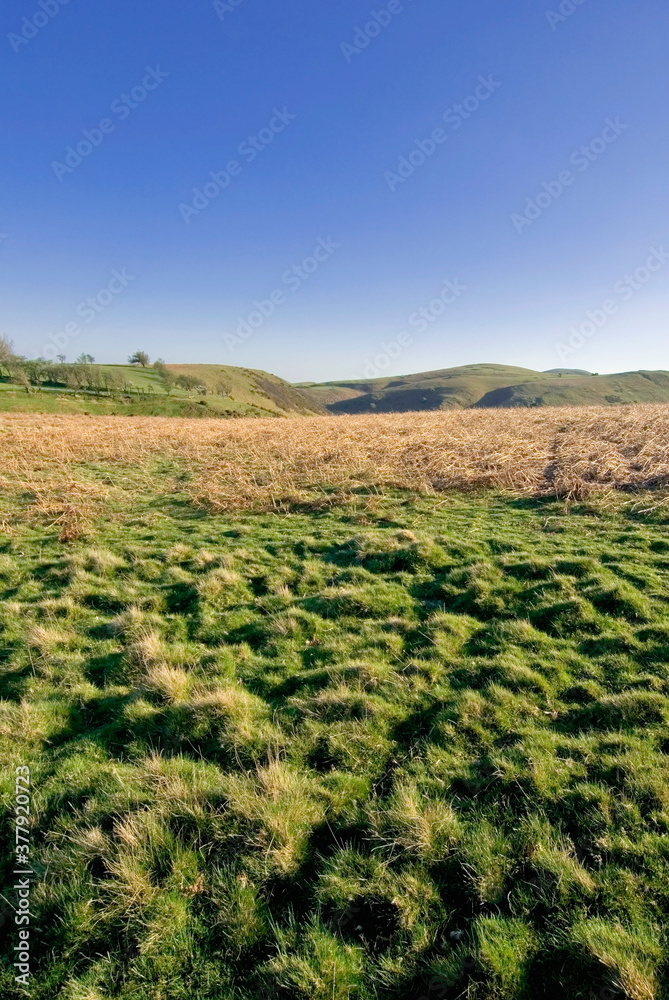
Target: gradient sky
column 556, row 82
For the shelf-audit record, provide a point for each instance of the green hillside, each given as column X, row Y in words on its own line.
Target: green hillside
column 227, row 391
column 595, row 390
column 448, row 388
column 188, row 391
column 488, row 385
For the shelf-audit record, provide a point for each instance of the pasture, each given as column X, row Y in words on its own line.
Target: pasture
column 339, row 708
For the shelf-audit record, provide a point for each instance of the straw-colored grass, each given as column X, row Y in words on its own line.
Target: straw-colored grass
column 252, row 463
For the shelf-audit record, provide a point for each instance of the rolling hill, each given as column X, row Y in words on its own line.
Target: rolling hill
column 488, row 385
column 192, row 390
column 196, row 391
column 591, row 390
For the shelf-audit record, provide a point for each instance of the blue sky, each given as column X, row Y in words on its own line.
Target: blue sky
column 317, row 109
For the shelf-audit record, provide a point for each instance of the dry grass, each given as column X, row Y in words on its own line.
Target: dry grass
column 254, row 463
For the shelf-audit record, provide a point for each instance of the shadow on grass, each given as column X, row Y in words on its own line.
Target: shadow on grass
column 11, row 685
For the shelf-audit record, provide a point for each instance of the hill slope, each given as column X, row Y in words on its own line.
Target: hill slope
column 251, row 389
column 446, row 388
column 199, row 390
column 594, row 390
column 488, row 385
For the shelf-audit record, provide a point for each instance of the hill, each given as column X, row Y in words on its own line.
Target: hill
column 579, row 390
column 488, row 385
column 186, row 391
column 226, row 391
column 446, row 388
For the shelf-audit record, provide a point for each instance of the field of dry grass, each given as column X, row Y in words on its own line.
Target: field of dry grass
column 265, row 464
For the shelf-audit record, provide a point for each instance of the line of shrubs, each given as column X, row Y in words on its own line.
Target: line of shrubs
column 85, row 376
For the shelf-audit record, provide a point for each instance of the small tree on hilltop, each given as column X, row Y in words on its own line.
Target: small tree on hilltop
column 85, row 359
column 139, row 358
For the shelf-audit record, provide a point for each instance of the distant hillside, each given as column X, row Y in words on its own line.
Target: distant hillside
column 227, row 391
column 188, row 391
column 448, row 388
column 488, row 385
column 580, row 390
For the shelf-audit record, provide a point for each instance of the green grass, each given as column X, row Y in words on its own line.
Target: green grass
column 399, row 750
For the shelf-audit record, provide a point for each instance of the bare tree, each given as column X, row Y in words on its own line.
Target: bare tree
column 7, row 356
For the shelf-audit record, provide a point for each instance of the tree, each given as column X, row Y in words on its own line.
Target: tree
column 167, row 377
column 6, row 351
column 7, row 357
column 36, row 371
column 188, row 382
column 114, row 383
column 20, row 378
column 85, row 359
column 139, row 358
column 61, row 358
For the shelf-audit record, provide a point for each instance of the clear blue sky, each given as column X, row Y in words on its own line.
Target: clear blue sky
column 327, row 175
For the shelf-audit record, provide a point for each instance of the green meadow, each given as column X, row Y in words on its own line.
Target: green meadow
column 405, row 748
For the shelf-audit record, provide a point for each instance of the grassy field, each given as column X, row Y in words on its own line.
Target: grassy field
column 351, row 734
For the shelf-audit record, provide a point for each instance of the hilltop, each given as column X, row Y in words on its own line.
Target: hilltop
column 488, row 385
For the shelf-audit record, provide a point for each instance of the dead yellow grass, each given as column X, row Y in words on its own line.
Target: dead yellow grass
column 245, row 463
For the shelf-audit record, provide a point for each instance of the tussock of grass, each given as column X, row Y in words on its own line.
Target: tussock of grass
column 387, row 751
column 504, row 947
column 632, row 954
column 411, row 823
